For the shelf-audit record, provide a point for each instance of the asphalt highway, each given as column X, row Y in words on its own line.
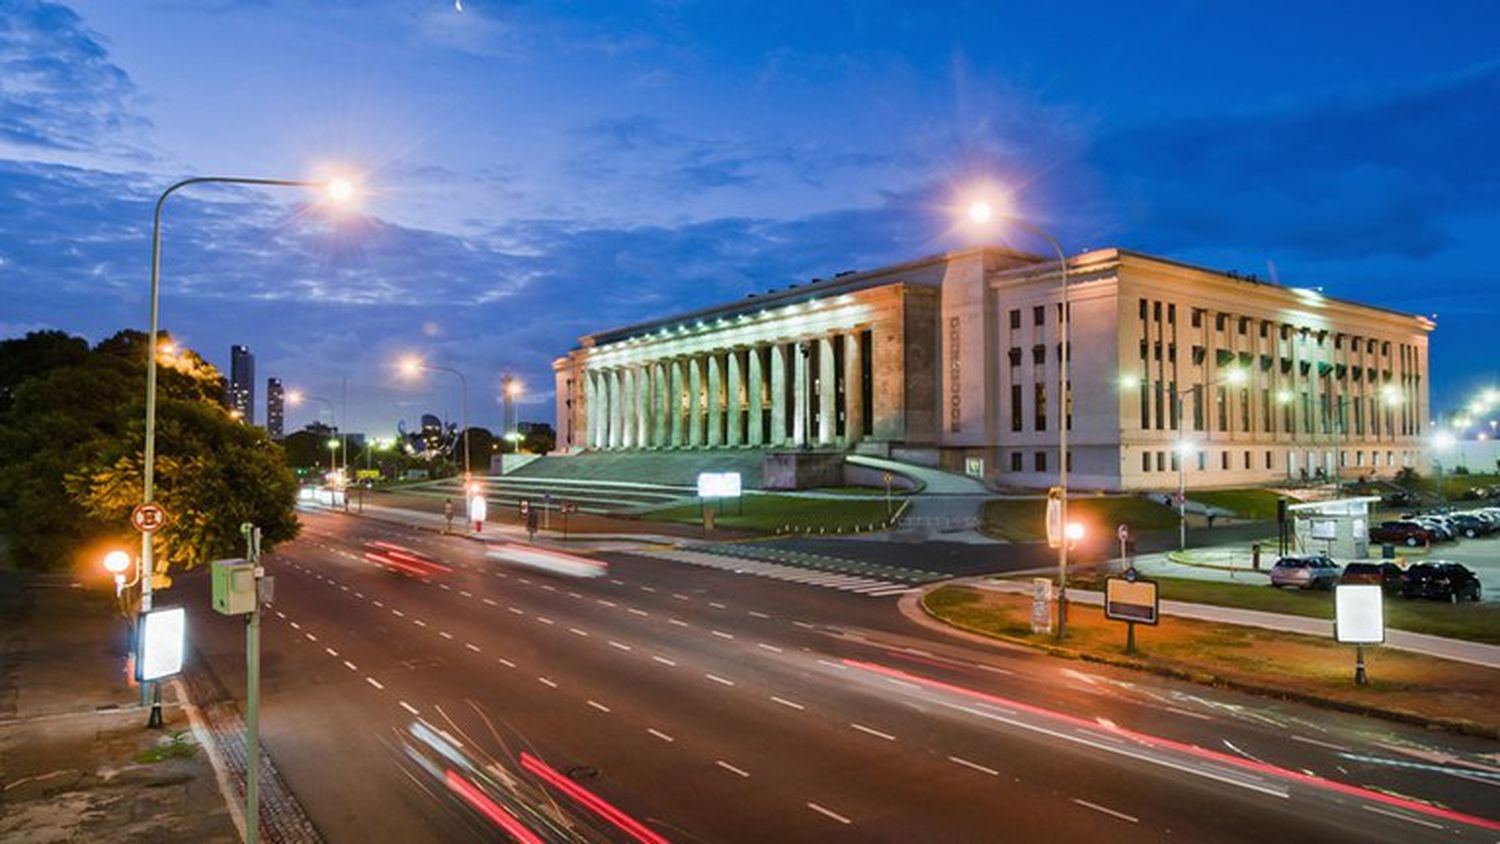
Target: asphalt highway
column 703, row 705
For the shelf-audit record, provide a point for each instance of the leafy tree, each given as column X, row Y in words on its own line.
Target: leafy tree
column 35, row 354
column 70, row 461
column 540, row 440
column 482, row 445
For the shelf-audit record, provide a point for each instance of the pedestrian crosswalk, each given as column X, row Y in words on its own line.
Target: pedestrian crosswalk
column 868, row 586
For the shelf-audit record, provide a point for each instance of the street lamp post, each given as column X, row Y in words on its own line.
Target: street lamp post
column 982, row 212
column 413, row 365
column 339, row 190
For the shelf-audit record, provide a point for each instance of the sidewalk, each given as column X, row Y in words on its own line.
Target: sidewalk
column 506, row 532
column 77, row 762
column 1474, row 653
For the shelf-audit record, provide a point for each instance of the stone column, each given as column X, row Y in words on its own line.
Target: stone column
column 627, row 407
column 590, row 408
column 675, row 419
column 854, row 394
column 695, row 403
column 800, row 406
column 643, row 406
column 827, row 398
column 661, row 430
column 754, row 387
column 734, row 435
column 612, row 405
column 715, row 413
column 778, row 394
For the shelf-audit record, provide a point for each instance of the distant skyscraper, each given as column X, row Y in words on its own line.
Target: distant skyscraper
column 275, row 408
column 242, row 382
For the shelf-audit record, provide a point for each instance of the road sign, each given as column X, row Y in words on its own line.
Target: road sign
column 147, row 518
column 1132, row 600
column 887, row 478
column 568, row 507
column 1123, row 532
column 525, row 506
column 1041, row 605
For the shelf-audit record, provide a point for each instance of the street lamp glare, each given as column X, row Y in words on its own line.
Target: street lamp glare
column 294, row 397
column 1442, row 441
column 1074, row 531
column 410, row 365
column 1284, row 396
column 340, row 190
column 981, row 211
column 1237, row 376
column 1130, row 382
column 116, row 562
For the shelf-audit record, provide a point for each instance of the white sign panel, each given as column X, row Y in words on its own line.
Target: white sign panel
column 163, row 635
column 1325, row 529
column 1359, row 613
column 718, row 484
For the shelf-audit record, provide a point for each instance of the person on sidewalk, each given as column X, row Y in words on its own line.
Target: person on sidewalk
column 448, row 515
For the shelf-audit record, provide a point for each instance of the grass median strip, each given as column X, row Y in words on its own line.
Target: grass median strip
column 1402, row 684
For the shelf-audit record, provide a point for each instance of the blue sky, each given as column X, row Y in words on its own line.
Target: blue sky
column 536, row 171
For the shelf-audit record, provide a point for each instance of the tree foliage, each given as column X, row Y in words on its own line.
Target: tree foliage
column 71, row 462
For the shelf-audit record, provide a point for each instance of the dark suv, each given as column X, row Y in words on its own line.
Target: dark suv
column 1402, row 533
column 1440, row 580
column 1388, row 576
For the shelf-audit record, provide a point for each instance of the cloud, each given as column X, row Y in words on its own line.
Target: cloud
column 59, row 90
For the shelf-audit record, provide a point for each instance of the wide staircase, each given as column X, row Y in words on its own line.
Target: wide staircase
column 666, row 468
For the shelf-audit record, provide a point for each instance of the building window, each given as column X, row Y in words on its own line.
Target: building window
column 1244, row 326
column 1039, row 315
column 1039, row 354
column 1245, row 410
column 1039, row 461
column 1220, row 320
column 1145, row 405
column 1202, row 459
column 1269, row 462
column 1016, row 412
column 1161, row 461
column 1015, row 461
column 1174, row 458
column 1143, row 308
column 1198, row 407
column 1197, row 319
column 1265, row 411
column 1265, row 329
column 1221, row 401
column 1172, row 313
column 1247, row 460
column 1145, row 461
column 1015, row 319
column 1156, row 311
column 1040, row 396
column 1224, row 460
column 1015, row 355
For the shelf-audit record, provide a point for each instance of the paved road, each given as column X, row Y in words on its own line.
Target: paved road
column 715, row 706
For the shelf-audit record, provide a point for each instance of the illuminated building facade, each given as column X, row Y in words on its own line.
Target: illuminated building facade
column 241, row 389
column 953, row 361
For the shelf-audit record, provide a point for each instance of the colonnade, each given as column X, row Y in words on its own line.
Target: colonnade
column 810, row 392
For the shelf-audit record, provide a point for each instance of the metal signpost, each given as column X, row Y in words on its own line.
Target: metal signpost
column 1359, row 619
column 1133, row 601
column 887, row 479
column 565, row 507
column 160, row 637
column 148, row 518
column 240, row 587
column 1123, row 533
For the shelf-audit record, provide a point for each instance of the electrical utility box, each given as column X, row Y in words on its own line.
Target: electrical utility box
column 234, row 587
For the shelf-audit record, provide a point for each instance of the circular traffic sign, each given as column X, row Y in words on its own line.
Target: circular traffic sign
column 147, row 518
column 1123, row 531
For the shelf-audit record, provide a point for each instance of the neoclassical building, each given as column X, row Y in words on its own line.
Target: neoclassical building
column 952, row 360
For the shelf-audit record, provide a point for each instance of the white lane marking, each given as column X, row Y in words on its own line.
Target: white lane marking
column 490, row 602
column 524, row 580
column 398, row 613
column 280, row 614
column 378, row 604
column 1106, row 810
column 374, row 682
column 359, row 594
column 330, row 651
column 647, row 589
column 758, row 614
column 720, row 680
column 575, row 595
column 544, row 620
column 681, row 597
column 505, row 662
column 833, row 665
column 677, row 621
column 549, row 587
column 444, row 586
column 804, row 625
column 466, row 593
column 874, row 732
column 617, row 582
column 659, row 734
column 721, row 634
column 1200, row 716
column 958, row 760
column 599, row 706
column 310, row 637
column 621, row 645
column 1329, row 745
column 1398, row 816
column 419, row 622
column 664, row 661
column 408, row 707
column 296, row 626
column 772, row 648
column 548, row 683
column 351, row 666
column 731, row 769
column 716, row 605
column 577, row 632
column 471, row 646
column 445, row 634
column 791, row 703
column 603, row 602
column 343, row 587
column 829, row 813
column 516, row 610
column 637, row 612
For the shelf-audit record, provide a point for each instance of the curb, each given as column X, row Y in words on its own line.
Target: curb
column 918, row 602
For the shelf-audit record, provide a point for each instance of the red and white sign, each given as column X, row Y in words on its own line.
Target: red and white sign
column 148, row 518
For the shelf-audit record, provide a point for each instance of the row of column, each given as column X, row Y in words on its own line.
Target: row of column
column 722, row 399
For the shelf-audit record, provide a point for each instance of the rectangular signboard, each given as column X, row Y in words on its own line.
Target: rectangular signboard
column 1126, row 600
column 718, row 484
column 160, row 643
column 1041, row 605
column 1359, row 613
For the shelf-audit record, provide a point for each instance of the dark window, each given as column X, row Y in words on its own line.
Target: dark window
column 1039, row 461
column 1015, row 461
column 1015, row 318
column 1247, row 460
column 1015, row 355
column 1143, row 309
column 1220, row 320
column 1145, row 461
column 1039, row 315
column 1039, row 354
column 1221, row 399
column 1161, row 461
column 1265, row 329
column 1171, row 352
column 1197, row 317
column 1224, row 460
column 1145, row 404
column 1244, row 326
column 1015, row 407
column 1197, row 407
column 1040, row 409
column 1156, row 311
column 1143, row 349
column 1268, row 460
column 1171, row 313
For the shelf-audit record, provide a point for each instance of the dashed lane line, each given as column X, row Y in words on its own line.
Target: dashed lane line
column 791, row 704
column 739, row 772
column 829, row 813
column 408, row 707
column 720, row 680
column 599, row 706
column 1106, row 810
column 975, row 766
column 664, row 661
column 659, row 734
column 546, row 682
column 872, row 731
column 374, row 682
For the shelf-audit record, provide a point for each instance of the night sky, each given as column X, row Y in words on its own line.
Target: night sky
column 536, row 171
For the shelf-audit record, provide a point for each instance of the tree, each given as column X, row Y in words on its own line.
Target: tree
column 36, row 354
column 481, row 449
column 71, row 467
column 541, row 439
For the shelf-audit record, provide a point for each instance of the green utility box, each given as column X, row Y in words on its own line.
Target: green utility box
column 234, row 587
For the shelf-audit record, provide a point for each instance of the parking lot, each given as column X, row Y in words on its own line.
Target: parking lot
column 1481, row 555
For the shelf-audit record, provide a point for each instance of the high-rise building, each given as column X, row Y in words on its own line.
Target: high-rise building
column 242, row 383
column 275, row 408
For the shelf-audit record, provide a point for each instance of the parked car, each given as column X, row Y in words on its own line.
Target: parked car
column 1388, row 576
column 1441, row 580
column 1470, row 525
column 1441, row 528
column 1309, row 572
column 1402, row 533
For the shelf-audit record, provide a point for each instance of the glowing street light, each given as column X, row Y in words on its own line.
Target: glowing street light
column 148, row 485
column 1184, row 449
column 412, row 365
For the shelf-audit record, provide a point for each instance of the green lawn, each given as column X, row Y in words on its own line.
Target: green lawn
column 771, row 513
column 1258, row 504
column 1021, row 520
column 1476, row 622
